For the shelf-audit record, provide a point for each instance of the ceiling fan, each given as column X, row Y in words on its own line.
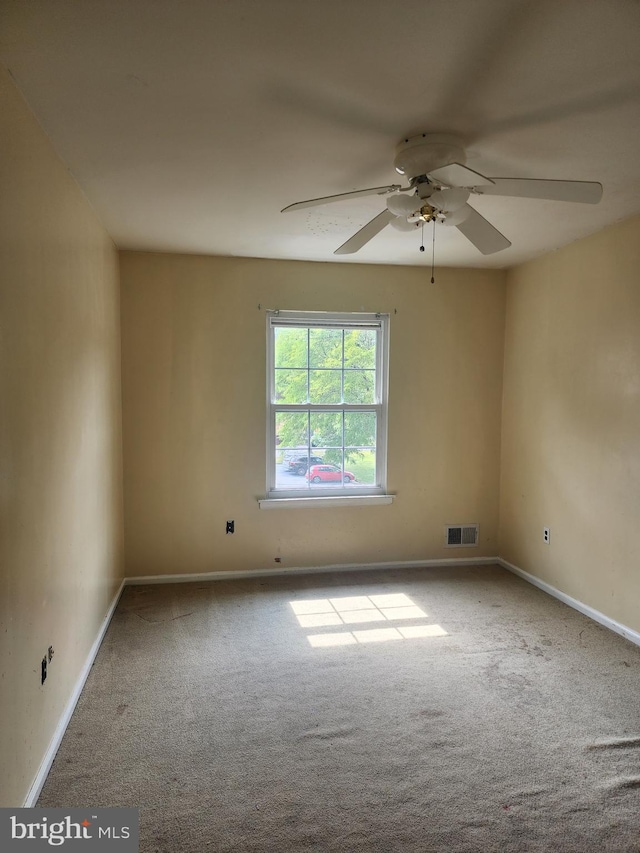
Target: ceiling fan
column 438, row 190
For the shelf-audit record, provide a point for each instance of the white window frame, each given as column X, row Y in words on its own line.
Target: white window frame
column 333, row 496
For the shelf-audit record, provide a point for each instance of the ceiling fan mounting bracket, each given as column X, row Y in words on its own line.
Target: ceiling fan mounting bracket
column 416, row 156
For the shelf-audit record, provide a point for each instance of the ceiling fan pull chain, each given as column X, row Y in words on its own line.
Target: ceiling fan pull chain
column 433, row 251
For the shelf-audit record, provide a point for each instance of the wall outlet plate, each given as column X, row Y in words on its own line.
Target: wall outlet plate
column 546, row 534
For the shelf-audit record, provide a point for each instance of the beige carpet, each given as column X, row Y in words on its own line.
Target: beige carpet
column 480, row 715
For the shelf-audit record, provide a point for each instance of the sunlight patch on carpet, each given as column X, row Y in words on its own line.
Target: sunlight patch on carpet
column 362, row 616
column 351, row 602
column 360, row 609
column 319, row 620
column 403, row 612
column 346, row 639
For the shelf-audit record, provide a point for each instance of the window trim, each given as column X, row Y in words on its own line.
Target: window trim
column 354, row 495
column 330, row 501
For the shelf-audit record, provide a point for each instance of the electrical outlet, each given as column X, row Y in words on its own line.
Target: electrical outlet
column 231, row 526
column 546, row 534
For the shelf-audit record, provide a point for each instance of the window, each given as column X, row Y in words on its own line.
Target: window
column 326, row 404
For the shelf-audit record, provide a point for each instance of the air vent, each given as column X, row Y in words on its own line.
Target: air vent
column 461, row 535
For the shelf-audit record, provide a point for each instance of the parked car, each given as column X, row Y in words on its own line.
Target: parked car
column 298, row 463
column 328, row 474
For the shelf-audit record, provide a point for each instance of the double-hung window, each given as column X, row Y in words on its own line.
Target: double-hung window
column 326, row 404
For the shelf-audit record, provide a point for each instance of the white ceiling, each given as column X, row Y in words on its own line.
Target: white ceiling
column 189, row 124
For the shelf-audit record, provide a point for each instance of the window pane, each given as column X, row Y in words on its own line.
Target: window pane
column 288, row 478
column 292, row 431
column 325, row 386
column 360, row 429
column 359, row 386
column 329, row 455
column 329, row 475
column 326, row 429
column 291, row 386
column 290, row 347
column 362, row 464
column 325, row 348
column 360, row 348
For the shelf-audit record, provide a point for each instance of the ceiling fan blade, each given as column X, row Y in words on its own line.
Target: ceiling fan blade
column 365, row 234
column 327, row 199
column 587, row 192
column 457, row 175
column 482, row 234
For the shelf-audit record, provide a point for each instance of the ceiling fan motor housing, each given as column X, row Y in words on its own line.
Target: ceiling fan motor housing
column 419, row 155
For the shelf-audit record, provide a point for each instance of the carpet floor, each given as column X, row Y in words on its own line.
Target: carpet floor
column 436, row 710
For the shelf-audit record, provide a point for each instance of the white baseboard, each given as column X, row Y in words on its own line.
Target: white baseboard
column 63, row 722
column 308, row 570
column 627, row 633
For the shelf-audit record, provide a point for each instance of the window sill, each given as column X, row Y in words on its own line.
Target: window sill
column 328, row 502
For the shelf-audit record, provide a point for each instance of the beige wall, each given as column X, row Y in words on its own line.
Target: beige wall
column 60, row 445
column 193, row 350
column 571, row 425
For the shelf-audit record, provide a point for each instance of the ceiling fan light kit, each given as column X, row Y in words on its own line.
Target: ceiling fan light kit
column 450, row 199
column 440, row 185
column 403, row 205
column 401, row 223
column 457, row 216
